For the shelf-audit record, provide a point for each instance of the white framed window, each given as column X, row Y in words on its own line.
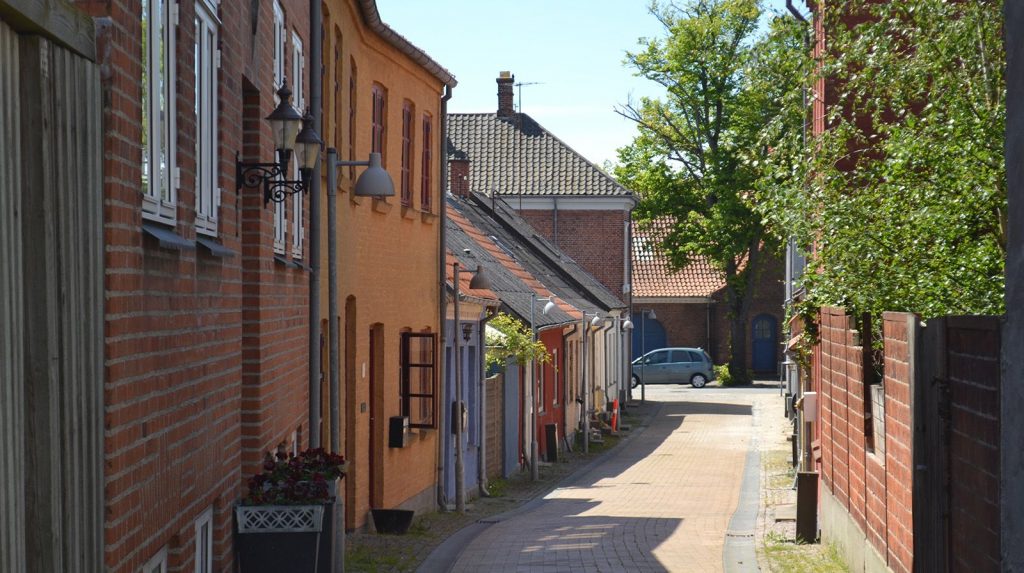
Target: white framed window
column 207, row 62
column 279, row 40
column 157, row 564
column 159, row 172
column 280, row 216
column 204, row 542
column 299, row 101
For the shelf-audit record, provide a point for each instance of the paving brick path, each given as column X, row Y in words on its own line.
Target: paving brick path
column 660, row 502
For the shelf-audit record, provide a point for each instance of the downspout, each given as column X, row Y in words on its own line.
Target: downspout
column 607, row 347
column 555, row 222
column 316, row 62
column 565, row 379
column 442, row 274
column 482, row 345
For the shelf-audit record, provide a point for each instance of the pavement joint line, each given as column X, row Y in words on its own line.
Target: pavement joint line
column 444, row 557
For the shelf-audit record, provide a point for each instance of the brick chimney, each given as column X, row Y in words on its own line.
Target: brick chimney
column 459, row 173
column 505, row 105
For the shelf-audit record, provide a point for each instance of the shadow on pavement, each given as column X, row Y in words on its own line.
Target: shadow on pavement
column 559, row 537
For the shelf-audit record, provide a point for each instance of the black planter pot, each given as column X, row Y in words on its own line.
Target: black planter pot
column 272, row 539
column 395, row 521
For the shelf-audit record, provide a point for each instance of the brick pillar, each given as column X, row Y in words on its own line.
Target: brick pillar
column 505, row 102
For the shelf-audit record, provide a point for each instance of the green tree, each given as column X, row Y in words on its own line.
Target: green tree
column 903, row 198
column 699, row 150
column 513, row 339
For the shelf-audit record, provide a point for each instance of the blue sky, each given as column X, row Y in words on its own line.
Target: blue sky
column 573, row 49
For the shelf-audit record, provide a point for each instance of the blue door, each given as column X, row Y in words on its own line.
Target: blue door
column 763, row 344
column 648, row 335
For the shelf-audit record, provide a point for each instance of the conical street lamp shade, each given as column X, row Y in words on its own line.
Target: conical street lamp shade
column 479, row 280
column 596, row 322
column 548, row 307
column 628, row 325
column 375, row 181
column 651, row 315
column 285, row 121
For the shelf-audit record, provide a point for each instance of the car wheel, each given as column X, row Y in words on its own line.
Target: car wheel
column 636, row 382
column 699, row 380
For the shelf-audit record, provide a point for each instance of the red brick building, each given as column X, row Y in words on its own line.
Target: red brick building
column 206, row 340
column 689, row 308
column 578, row 207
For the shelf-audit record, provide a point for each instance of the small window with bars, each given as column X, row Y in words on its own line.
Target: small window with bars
column 419, row 379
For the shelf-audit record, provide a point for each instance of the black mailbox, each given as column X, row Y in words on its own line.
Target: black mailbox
column 398, row 430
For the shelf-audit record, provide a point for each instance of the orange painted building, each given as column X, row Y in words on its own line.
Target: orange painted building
column 382, row 94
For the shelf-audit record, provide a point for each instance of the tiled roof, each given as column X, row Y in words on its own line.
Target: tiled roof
column 513, row 284
column 511, row 159
column 537, row 255
column 652, row 276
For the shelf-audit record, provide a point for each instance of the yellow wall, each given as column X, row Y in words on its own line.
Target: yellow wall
column 388, row 261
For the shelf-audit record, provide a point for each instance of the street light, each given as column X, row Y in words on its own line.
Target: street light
column 479, row 281
column 643, row 349
column 373, row 179
column 534, row 468
column 626, row 326
column 285, row 123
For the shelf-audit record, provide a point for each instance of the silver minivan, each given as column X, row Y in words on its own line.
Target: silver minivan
column 674, row 366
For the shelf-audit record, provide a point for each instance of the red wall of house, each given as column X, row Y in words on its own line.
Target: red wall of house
column 552, row 392
column 204, row 356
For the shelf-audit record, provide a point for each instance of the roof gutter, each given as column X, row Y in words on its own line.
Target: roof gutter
column 373, row 21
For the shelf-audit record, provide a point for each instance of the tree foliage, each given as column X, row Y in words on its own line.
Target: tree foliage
column 699, row 151
column 516, row 340
column 903, row 198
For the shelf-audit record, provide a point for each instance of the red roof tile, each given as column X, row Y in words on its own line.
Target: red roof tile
column 652, row 276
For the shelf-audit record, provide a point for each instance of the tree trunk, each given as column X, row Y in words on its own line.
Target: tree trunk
column 739, row 308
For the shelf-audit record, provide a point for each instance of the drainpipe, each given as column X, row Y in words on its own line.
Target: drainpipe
column 482, row 345
column 555, row 221
column 316, row 62
column 442, row 274
column 607, row 347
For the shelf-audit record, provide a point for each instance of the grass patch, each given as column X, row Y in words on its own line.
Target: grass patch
column 497, row 487
column 365, row 560
column 785, row 556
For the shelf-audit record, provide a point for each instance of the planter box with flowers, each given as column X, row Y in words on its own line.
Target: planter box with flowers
column 285, row 522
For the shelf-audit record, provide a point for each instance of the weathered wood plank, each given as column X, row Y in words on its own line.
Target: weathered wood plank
column 56, row 19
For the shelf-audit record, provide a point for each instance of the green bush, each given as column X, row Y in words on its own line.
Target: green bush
column 724, row 377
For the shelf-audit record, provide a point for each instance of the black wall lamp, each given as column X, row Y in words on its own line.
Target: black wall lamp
column 285, row 122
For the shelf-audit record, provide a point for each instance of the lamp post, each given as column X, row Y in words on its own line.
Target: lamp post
column 534, row 467
column 643, row 350
column 479, row 281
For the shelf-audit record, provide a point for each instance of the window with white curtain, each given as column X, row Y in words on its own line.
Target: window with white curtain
column 207, row 62
column 159, row 172
column 299, row 100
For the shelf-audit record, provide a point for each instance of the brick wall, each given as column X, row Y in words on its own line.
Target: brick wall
column 953, row 432
column 875, row 488
column 594, row 239
column 203, row 355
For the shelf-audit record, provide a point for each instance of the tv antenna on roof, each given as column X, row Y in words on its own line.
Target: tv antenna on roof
column 520, row 86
